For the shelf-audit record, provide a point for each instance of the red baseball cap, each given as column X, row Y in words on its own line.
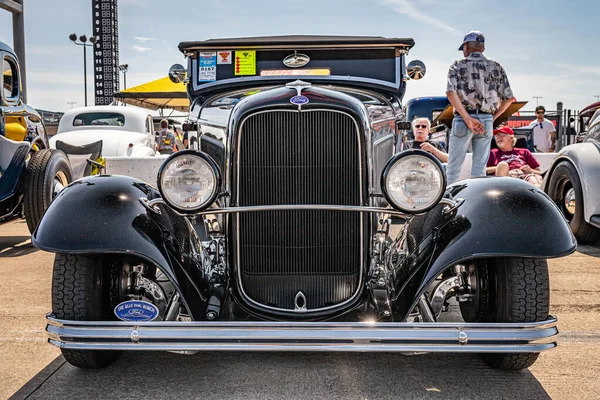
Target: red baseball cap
column 505, row 130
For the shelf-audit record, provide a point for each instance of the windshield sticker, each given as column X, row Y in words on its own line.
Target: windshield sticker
column 245, row 62
column 224, row 57
column 299, row 100
column 136, row 310
column 281, row 72
column 207, row 66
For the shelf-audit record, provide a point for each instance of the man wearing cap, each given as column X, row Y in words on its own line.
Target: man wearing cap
column 479, row 91
column 507, row 160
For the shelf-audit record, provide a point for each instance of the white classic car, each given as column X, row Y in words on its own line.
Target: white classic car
column 124, row 131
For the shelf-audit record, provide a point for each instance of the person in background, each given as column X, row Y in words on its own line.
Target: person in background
column 479, row 91
column 165, row 139
column 507, row 160
column 421, row 127
column 544, row 132
column 186, row 141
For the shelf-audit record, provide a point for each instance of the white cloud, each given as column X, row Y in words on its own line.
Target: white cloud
column 35, row 49
column 580, row 69
column 142, row 39
column 412, row 10
column 141, row 49
column 517, row 54
column 568, row 86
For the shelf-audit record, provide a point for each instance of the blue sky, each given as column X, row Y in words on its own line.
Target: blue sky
column 546, row 46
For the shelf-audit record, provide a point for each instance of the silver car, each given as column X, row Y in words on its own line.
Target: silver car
column 572, row 182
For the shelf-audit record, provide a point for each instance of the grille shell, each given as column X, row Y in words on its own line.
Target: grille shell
column 292, row 157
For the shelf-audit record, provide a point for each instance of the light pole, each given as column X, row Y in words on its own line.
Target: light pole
column 71, row 103
column 82, row 42
column 597, row 97
column 123, row 68
column 537, row 98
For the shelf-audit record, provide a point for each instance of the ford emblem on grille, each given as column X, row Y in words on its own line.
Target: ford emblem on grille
column 300, row 302
column 296, row 60
column 299, row 100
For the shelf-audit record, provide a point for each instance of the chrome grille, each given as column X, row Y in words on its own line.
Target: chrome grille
column 310, row 157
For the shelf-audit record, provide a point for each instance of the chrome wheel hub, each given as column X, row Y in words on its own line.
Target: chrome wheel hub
column 569, row 201
column 60, row 182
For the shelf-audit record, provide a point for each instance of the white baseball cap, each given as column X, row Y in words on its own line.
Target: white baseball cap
column 473, row 36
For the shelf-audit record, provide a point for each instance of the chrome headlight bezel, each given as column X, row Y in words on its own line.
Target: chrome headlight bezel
column 212, row 166
column 394, row 161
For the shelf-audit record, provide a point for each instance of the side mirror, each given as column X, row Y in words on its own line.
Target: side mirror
column 177, row 73
column 403, row 125
column 189, row 126
column 416, row 70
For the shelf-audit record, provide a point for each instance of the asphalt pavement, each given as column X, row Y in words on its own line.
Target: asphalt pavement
column 31, row 368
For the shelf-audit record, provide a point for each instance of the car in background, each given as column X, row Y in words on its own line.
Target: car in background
column 584, row 119
column 31, row 174
column 124, row 131
column 572, row 183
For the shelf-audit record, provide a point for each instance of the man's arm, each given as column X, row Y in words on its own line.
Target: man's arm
column 440, row 155
column 505, row 92
column 553, row 139
column 502, row 107
column 529, row 170
column 473, row 123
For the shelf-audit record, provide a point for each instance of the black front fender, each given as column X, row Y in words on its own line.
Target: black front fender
column 500, row 217
column 103, row 215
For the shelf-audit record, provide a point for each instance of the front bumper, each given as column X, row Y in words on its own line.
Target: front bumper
column 304, row 336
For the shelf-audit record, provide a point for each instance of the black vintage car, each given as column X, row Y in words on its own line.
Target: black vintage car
column 277, row 235
column 30, row 173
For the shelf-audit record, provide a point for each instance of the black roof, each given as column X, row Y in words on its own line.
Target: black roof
column 297, row 41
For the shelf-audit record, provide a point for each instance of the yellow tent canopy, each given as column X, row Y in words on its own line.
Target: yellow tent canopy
column 155, row 95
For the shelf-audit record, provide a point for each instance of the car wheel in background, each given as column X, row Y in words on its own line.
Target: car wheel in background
column 565, row 190
column 48, row 172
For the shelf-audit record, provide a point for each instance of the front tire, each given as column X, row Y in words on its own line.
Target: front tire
column 48, row 172
column 518, row 291
column 78, row 293
column 565, row 190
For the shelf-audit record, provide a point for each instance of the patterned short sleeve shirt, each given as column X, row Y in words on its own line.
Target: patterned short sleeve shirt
column 481, row 83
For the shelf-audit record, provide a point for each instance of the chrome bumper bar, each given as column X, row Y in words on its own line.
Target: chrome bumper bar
column 304, row 336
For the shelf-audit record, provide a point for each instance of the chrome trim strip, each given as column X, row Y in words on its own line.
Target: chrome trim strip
column 283, row 207
column 278, row 79
column 359, row 287
column 383, row 139
column 304, row 336
column 150, row 204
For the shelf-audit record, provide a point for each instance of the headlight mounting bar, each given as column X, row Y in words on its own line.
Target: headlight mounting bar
column 451, row 205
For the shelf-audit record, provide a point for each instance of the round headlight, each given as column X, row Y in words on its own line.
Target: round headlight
column 413, row 181
column 189, row 180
